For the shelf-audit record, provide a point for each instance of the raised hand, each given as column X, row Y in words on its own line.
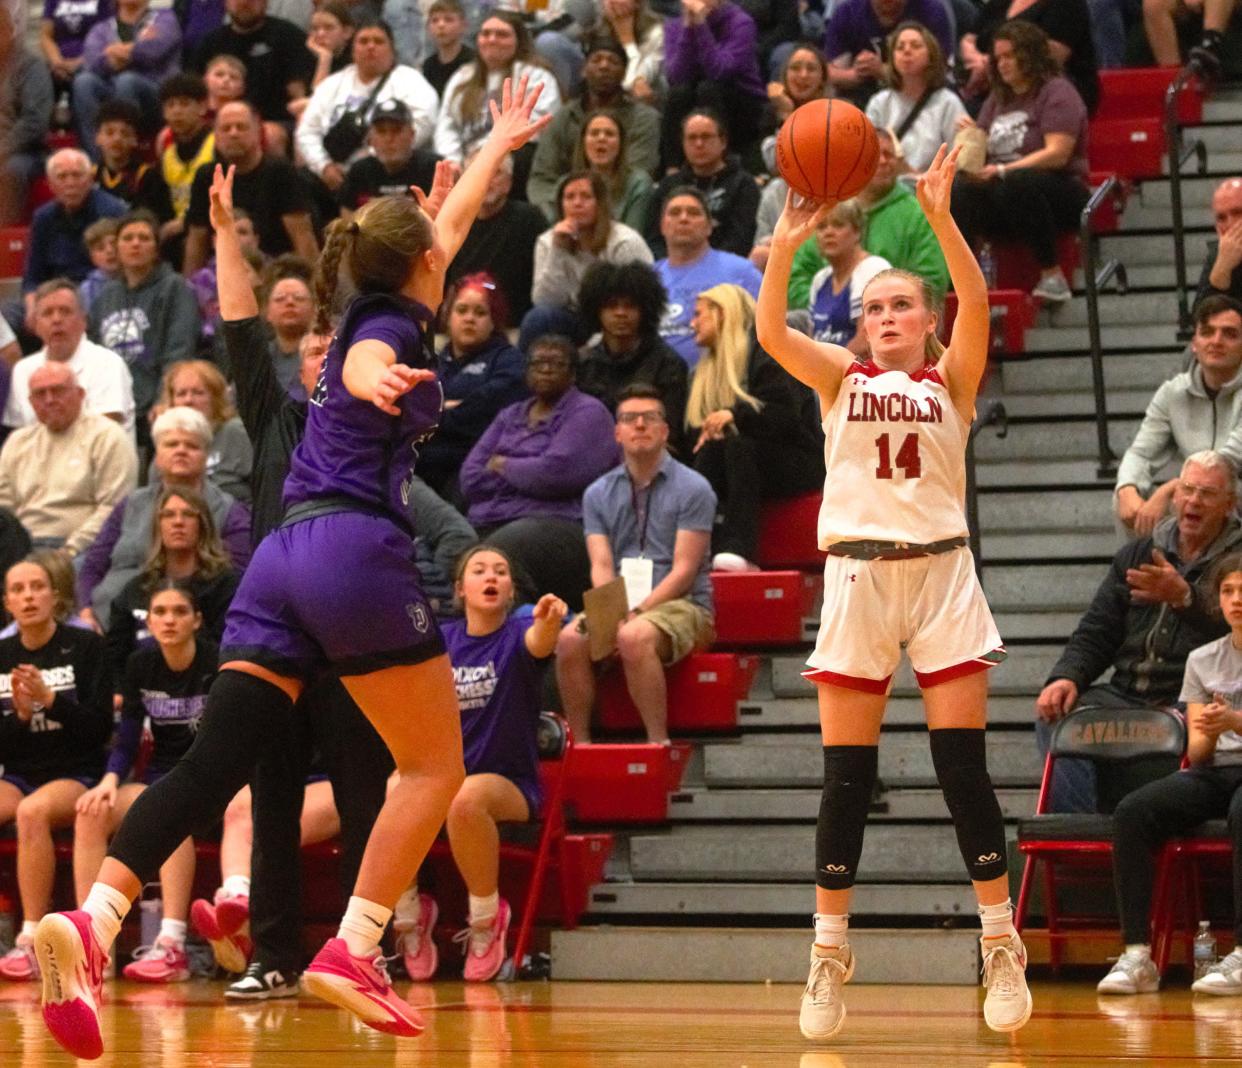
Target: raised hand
column 221, row 195
column 799, row 218
column 395, row 383
column 935, row 188
column 447, row 173
column 512, row 125
column 550, row 607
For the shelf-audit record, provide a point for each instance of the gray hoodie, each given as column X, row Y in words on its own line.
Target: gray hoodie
column 1182, row 419
column 150, row 326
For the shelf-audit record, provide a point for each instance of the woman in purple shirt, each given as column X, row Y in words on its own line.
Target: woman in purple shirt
column 498, row 663
column 333, row 588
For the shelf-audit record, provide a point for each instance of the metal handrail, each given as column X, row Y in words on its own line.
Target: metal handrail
column 1179, row 153
column 1095, row 278
column 987, row 413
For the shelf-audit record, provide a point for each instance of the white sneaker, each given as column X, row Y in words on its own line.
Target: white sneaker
column 822, row 1013
column 1054, row 289
column 732, row 562
column 1008, row 1003
column 1224, row 978
column 1134, row 973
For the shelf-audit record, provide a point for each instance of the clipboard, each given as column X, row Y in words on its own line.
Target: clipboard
column 605, row 607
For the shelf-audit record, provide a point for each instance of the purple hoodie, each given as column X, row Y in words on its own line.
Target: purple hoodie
column 722, row 48
column 157, row 46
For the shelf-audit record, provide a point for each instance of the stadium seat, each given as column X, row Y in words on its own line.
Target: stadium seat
column 624, row 782
column 1137, row 93
column 703, row 695
column 1016, row 317
column 763, row 607
column 13, row 241
column 1177, row 899
column 1017, row 268
column 787, row 534
column 1131, row 148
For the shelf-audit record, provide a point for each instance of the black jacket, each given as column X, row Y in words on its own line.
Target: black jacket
column 603, row 376
column 1206, row 289
column 732, row 198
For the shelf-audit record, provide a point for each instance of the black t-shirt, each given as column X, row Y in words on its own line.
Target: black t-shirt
column 368, row 178
column 439, row 73
column 274, row 55
column 66, row 739
column 505, row 246
column 173, row 700
column 273, row 189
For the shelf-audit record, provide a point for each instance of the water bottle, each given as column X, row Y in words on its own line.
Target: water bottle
column 151, row 912
column 62, row 113
column 987, row 264
column 8, row 923
column 1205, row 949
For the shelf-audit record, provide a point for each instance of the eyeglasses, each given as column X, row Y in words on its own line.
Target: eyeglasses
column 630, row 418
column 1207, row 493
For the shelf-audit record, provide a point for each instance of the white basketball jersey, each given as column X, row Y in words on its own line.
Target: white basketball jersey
column 895, row 453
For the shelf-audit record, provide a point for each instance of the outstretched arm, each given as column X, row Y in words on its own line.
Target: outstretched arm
column 237, row 299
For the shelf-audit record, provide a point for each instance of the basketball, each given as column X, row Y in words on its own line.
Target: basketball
column 827, row 149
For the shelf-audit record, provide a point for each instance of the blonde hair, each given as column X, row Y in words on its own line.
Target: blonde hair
column 933, row 347
column 222, row 409
column 848, row 213
column 717, row 380
column 60, row 577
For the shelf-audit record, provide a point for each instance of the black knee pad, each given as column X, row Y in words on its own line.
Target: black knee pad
column 849, row 779
column 960, row 758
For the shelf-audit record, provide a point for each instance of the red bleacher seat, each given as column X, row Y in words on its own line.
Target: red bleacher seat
column 1017, row 268
column 703, row 694
column 787, row 534
column 624, row 782
column 1019, row 316
column 763, row 607
column 1130, row 148
column 1139, row 93
column 13, row 241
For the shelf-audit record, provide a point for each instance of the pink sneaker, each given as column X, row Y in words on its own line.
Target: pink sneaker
column 360, row 985
column 232, row 951
column 72, row 965
column 415, row 942
column 164, row 962
column 485, row 946
column 19, row 965
column 232, row 913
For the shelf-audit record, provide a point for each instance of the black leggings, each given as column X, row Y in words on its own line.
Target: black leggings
column 1026, row 205
column 1161, row 810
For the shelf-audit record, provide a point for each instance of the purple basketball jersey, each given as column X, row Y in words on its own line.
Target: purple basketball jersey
column 351, row 448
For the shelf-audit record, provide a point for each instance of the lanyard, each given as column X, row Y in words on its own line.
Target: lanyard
column 646, row 512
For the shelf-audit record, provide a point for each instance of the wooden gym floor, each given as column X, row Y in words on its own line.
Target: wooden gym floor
column 601, row 1025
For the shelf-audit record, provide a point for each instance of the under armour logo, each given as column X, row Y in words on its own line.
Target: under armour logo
column 836, row 869
column 987, row 857
column 853, row 578
column 419, row 617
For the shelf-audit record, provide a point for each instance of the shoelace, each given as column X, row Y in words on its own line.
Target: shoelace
column 1000, row 972
column 164, row 949
column 475, row 939
column 827, row 974
column 1130, row 964
column 1231, row 963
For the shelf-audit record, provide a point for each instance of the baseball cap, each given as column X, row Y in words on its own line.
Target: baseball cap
column 392, row 110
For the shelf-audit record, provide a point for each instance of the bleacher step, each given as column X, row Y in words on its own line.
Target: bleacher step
column 1032, row 511
column 1136, row 249
column 1052, row 474
column 770, row 712
column 1046, row 441
column 1066, row 587
column 739, row 954
column 1140, row 336
column 1073, row 371
column 1100, row 544
column 1056, row 403
column 1158, row 309
column 704, row 805
column 1034, row 627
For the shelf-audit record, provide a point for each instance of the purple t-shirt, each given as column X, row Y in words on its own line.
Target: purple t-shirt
column 351, row 448
column 71, row 21
column 499, row 686
column 1017, row 129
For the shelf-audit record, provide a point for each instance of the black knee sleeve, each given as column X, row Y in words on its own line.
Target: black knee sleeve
column 244, row 715
column 960, row 758
column 849, row 779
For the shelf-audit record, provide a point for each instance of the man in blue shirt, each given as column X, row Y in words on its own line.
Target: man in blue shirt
column 649, row 521
column 692, row 266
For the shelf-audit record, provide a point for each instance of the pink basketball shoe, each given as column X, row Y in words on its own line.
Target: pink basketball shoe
column 361, row 985
column 72, row 966
column 485, row 946
column 232, row 951
column 415, row 942
column 164, row 962
column 232, row 913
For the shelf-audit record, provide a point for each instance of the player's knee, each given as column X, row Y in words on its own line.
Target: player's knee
column 849, row 779
column 238, row 811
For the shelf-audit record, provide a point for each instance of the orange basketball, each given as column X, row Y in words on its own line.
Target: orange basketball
column 827, row 149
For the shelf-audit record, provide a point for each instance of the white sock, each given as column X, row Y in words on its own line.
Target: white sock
column 483, row 909
column 832, row 932
column 363, row 925
column 173, row 929
column 236, row 886
column 997, row 920
column 28, row 931
column 107, row 908
column 1140, row 950
column 407, row 904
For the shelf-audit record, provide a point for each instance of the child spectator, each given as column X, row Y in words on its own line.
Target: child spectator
column 446, row 26
column 331, row 30
column 121, row 170
column 100, row 238
column 186, row 144
column 225, row 76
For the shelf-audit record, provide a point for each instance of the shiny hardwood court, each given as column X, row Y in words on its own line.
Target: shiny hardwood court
column 601, row 1025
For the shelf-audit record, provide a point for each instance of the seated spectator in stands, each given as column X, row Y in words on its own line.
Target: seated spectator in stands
column 182, row 438
column 269, row 190
column 1160, row 20
column 62, row 34
column 279, row 66
column 225, row 78
column 325, row 145
column 625, row 303
column 1067, row 25
column 1033, row 185
column 56, row 248
column 189, row 145
column 148, row 316
column 732, row 194
column 1201, row 408
column 557, row 28
column 198, row 384
column 778, row 24
column 502, row 242
column 331, row 31
column 523, row 480
column 856, row 38
column 803, row 78
column 26, row 100
column 1152, row 609
column 446, row 26
column 560, row 144
column 602, row 148
column 10, row 350
column 203, row 281
column 289, row 310
column 164, row 684
column 498, row 659
column 125, row 57
column 183, row 547
column 392, row 166
column 1174, row 806
column 641, row 33
column 665, row 561
column 692, row 266
column 754, row 427
column 121, row 170
column 710, row 61
column 505, row 51
column 56, row 704
column 896, row 229
column 917, row 103
column 60, row 323
column 1220, row 271
column 480, row 373
column 835, row 301
column 63, row 476
column 584, row 234
column 100, row 240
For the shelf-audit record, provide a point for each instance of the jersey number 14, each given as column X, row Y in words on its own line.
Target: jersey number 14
column 907, row 458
